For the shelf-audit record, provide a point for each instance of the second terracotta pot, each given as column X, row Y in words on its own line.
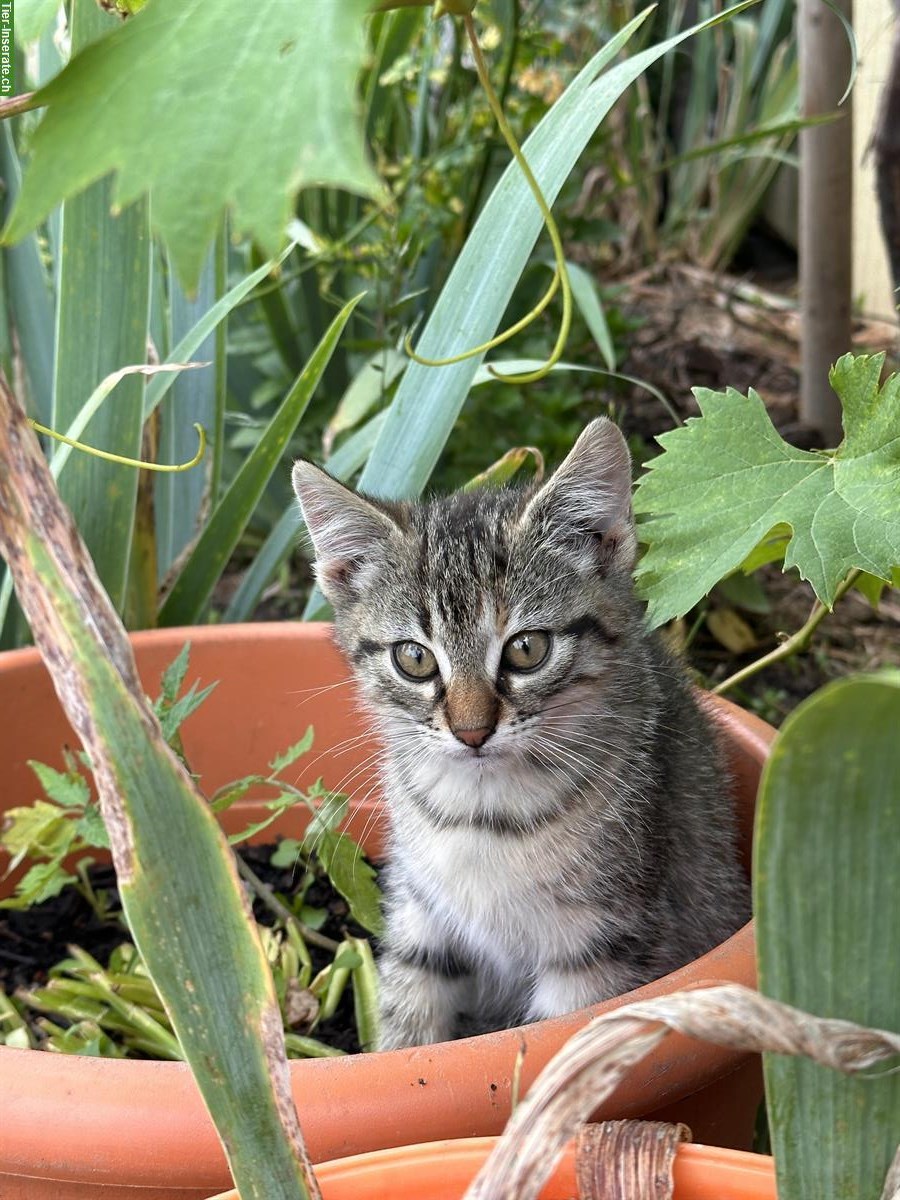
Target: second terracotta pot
column 443, row 1171
column 95, row 1129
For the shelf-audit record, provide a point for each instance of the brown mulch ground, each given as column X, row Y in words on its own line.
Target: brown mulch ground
column 699, row 329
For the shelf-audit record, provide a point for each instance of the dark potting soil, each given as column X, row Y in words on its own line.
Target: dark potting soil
column 35, row 939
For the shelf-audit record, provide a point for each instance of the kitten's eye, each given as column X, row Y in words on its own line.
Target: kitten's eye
column 526, row 650
column 414, row 661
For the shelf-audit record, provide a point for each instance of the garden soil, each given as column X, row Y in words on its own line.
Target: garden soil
column 34, row 940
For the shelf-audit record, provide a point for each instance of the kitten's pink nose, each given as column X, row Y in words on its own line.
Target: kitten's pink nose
column 473, row 737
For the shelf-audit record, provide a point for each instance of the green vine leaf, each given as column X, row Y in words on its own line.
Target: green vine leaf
column 354, row 878
column 203, row 142
column 38, row 830
column 726, row 480
column 69, row 790
column 41, row 882
column 173, row 678
column 281, row 761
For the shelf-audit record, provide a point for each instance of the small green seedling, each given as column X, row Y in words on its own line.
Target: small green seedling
column 115, row 1010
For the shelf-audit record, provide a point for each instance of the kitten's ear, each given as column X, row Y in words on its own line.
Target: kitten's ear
column 347, row 530
column 589, row 496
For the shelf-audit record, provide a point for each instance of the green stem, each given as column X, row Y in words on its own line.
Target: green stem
column 365, row 995
column 19, row 104
column 792, row 645
column 299, row 1046
column 336, row 980
column 11, row 1019
column 271, row 901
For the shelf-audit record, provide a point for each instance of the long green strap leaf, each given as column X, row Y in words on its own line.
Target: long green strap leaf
column 479, row 288
column 32, row 19
column 30, row 297
column 196, row 396
column 193, row 587
column 64, row 451
column 28, row 310
column 176, row 875
column 275, row 550
column 587, row 298
column 827, row 904
column 210, row 321
column 102, row 323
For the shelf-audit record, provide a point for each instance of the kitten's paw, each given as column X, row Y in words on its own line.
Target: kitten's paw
column 559, row 992
column 417, row 1007
column 407, row 1025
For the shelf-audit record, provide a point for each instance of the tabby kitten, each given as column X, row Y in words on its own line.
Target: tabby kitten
column 559, row 828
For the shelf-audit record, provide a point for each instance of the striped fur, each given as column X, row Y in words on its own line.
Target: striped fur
column 588, row 845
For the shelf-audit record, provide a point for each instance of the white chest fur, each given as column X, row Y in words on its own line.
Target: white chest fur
column 501, row 894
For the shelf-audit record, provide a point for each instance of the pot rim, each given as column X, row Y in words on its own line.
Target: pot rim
column 700, row 1172
column 163, row 1103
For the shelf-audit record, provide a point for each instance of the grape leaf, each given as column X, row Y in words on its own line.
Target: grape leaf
column 207, row 107
column 726, row 479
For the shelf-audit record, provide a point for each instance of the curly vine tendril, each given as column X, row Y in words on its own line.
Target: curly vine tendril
column 127, row 462
column 560, row 275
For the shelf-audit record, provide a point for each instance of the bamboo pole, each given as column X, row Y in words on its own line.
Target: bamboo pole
column 826, row 182
column 887, row 161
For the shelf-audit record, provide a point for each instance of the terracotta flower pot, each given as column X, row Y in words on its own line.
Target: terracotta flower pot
column 79, row 1128
column 443, row 1170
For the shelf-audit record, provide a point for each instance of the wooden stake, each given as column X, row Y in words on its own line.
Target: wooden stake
column 887, row 161
column 826, row 179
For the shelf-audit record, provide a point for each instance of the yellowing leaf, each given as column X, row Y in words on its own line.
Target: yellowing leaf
column 40, row 830
column 206, row 106
column 731, row 630
column 41, row 882
column 506, row 467
column 727, row 479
